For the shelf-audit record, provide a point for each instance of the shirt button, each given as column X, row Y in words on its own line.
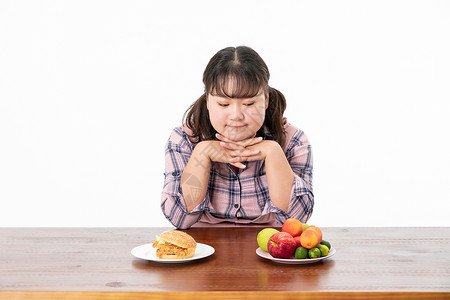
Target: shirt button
column 236, row 205
column 174, row 173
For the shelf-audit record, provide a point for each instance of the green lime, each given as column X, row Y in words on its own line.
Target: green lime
column 314, row 253
column 323, row 250
column 323, row 242
column 301, row 253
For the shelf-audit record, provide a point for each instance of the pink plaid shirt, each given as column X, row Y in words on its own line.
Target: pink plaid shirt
column 237, row 199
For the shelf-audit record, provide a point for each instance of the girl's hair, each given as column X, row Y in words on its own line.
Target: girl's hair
column 251, row 75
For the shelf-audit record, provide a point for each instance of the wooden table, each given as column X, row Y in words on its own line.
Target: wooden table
column 91, row 263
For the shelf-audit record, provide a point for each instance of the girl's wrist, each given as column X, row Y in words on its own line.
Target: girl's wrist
column 207, row 148
column 268, row 148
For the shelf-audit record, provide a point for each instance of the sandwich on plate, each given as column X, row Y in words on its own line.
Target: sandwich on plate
column 174, row 244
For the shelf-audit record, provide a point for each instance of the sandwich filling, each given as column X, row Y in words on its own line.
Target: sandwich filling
column 166, row 248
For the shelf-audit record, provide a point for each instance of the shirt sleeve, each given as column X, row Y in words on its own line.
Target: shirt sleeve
column 178, row 150
column 299, row 156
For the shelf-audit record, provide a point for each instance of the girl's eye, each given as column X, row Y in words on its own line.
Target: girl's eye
column 223, row 105
column 249, row 104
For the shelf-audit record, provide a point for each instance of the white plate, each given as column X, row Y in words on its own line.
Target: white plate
column 147, row 252
column 294, row 261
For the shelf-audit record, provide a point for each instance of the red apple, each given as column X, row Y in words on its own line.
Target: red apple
column 297, row 240
column 281, row 245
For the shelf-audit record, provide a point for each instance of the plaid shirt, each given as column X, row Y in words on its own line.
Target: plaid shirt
column 241, row 198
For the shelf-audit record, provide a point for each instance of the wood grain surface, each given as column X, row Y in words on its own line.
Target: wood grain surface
column 68, row 263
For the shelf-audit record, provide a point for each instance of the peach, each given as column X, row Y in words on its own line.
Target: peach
column 317, row 230
column 309, row 239
column 292, row 226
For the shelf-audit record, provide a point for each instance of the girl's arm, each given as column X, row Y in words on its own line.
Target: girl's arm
column 178, row 150
column 299, row 158
column 280, row 176
column 195, row 177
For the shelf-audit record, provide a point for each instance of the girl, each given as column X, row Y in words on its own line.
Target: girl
column 236, row 159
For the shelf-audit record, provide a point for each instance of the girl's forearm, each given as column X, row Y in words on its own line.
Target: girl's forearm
column 195, row 177
column 280, row 177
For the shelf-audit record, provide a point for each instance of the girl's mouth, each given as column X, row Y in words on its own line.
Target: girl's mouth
column 236, row 127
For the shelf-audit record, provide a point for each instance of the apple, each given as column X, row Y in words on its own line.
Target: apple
column 264, row 236
column 281, row 245
column 297, row 240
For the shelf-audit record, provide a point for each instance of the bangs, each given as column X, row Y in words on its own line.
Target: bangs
column 236, row 85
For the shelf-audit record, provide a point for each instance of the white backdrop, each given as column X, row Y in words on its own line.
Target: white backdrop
column 90, row 91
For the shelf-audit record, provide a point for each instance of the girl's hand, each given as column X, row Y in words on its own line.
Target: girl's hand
column 245, row 150
column 240, row 145
column 215, row 152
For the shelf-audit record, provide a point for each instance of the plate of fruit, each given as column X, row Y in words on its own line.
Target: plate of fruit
column 296, row 243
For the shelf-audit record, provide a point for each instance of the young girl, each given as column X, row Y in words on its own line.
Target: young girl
column 236, row 159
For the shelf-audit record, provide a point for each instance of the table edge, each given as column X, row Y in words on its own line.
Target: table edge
column 410, row 295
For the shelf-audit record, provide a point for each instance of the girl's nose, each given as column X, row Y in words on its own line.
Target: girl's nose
column 237, row 113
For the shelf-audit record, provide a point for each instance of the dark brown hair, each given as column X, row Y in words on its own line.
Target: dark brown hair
column 251, row 74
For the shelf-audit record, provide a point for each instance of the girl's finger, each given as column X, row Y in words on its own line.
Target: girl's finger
column 238, row 165
column 252, row 141
column 231, row 146
column 248, row 142
column 239, row 159
column 238, row 155
column 222, row 138
column 242, row 144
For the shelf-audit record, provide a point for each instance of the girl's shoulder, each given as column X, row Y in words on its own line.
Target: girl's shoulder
column 294, row 136
column 183, row 134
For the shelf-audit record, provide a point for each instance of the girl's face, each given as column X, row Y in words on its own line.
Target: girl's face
column 237, row 118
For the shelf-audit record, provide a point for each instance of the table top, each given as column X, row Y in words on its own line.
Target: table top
column 406, row 262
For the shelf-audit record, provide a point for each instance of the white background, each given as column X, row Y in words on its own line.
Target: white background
column 90, row 91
